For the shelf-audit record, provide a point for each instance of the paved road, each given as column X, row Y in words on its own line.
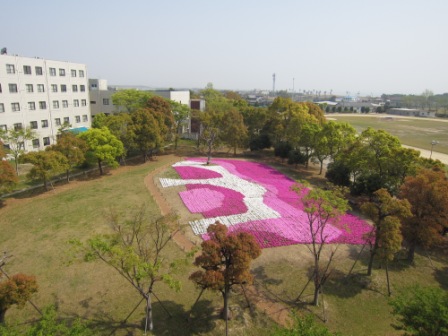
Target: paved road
column 435, row 155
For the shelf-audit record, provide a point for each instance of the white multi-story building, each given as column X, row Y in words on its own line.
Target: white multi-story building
column 42, row 95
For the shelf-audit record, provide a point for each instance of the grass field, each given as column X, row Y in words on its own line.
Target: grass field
column 412, row 132
column 36, row 230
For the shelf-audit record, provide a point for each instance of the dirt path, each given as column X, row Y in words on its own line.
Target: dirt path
column 274, row 309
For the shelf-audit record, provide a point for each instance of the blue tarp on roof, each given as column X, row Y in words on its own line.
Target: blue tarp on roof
column 77, row 130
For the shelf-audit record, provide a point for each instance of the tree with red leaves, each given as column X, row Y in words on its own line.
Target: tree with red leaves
column 16, row 290
column 225, row 261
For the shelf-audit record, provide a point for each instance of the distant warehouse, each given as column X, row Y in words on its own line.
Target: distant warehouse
column 411, row 112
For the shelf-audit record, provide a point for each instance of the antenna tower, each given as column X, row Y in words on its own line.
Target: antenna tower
column 273, row 83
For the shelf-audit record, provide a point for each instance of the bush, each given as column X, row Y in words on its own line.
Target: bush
column 422, row 311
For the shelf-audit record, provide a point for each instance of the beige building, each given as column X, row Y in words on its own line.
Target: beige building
column 42, row 95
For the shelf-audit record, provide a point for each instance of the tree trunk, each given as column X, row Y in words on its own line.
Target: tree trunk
column 100, row 167
column 373, row 253
column 411, row 253
column 148, row 323
column 68, row 175
column 2, row 315
column 387, row 277
column 316, row 281
column 225, row 311
column 321, row 167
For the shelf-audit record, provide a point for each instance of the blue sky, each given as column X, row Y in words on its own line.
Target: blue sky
column 371, row 47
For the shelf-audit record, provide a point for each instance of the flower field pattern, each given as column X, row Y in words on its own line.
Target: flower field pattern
column 254, row 198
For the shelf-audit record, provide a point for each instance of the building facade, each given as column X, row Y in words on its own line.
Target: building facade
column 42, row 95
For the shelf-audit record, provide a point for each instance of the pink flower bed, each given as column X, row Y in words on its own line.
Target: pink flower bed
column 291, row 224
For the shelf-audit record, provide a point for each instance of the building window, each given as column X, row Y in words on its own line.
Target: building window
column 4, row 128
column 93, row 86
column 27, row 70
column 81, row 73
column 85, row 118
column 2, row 108
column 10, row 69
column 33, row 124
column 18, row 126
column 15, row 107
column 44, row 123
column 40, row 88
column 92, row 102
column 0, row 88
column 57, row 121
column 65, row 103
column 66, row 120
column 75, row 103
column 73, row 72
column 82, row 88
column 38, row 71
column 54, row 88
column 62, row 72
column 63, row 88
column 12, row 88
column 52, row 71
column 55, row 104
column 105, row 101
column 43, row 105
column 75, row 88
column 31, row 106
column 29, row 88
column 36, row 143
column 46, row 141
column 83, row 102
column 78, row 119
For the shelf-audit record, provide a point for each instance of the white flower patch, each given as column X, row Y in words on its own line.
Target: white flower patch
column 253, row 196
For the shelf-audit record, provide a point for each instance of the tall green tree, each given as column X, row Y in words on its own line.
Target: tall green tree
column 146, row 131
column 73, row 148
column 103, row 145
column 162, row 111
column 234, row 132
column 130, row 100
column 136, row 251
column 181, row 113
column 46, row 165
column 16, row 139
column 427, row 193
column 322, row 208
column 225, row 261
column 386, row 212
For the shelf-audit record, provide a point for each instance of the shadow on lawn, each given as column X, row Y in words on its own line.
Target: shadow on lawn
column 441, row 275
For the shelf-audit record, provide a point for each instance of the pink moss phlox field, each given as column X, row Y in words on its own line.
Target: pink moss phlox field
column 227, row 201
column 292, row 225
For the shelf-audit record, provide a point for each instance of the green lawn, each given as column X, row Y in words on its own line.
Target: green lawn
column 36, row 230
column 412, row 132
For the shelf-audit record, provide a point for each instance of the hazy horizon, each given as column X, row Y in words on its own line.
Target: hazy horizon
column 370, row 47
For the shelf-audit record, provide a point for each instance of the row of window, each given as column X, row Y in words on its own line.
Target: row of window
column 57, row 121
column 44, row 123
column 27, row 70
column 41, row 88
column 15, row 107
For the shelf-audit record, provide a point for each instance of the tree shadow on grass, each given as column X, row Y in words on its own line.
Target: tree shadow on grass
column 343, row 286
column 180, row 323
column 441, row 275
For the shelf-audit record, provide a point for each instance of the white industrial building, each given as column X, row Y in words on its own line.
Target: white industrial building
column 42, row 95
